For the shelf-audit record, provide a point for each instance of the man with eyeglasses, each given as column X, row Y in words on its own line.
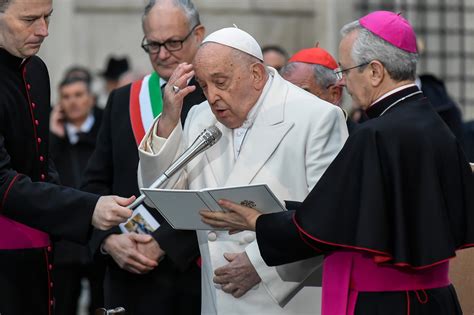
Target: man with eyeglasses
column 312, row 69
column 172, row 34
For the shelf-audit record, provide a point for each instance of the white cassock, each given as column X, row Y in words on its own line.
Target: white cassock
column 291, row 140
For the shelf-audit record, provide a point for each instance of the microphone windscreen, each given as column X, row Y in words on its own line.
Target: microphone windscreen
column 212, row 134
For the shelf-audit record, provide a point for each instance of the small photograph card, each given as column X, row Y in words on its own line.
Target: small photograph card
column 141, row 222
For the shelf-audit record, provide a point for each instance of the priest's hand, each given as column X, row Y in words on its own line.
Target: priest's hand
column 111, row 211
column 124, row 249
column 238, row 276
column 238, row 217
column 175, row 91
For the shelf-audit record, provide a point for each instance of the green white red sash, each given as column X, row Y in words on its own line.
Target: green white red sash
column 146, row 104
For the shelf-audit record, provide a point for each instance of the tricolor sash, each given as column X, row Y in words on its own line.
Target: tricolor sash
column 146, row 104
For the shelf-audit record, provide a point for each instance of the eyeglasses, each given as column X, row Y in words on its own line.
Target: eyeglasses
column 170, row 45
column 339, row 72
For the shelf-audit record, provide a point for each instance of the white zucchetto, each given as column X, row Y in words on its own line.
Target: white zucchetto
column 236, row 38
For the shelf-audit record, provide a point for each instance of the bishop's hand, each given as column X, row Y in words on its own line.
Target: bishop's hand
column 237, row 218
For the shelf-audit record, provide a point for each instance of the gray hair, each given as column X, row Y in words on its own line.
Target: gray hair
column 188, row 7
column 4, row 5
column 400, row 64
column 323, row 76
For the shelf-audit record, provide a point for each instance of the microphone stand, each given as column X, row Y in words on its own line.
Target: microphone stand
column 204, row 141
column 156, row 184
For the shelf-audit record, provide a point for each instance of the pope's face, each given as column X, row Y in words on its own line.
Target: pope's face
column 227, row 83
column 24, row 26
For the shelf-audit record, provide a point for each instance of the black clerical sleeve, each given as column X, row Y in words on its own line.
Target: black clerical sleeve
column 279, row 240
column 400, row 189
column 59, row 211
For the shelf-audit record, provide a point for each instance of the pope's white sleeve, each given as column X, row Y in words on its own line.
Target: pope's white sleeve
column 327, row 139
column 156, row 155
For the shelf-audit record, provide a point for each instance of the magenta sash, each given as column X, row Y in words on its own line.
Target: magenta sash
column 14, row 235
column 345, row 273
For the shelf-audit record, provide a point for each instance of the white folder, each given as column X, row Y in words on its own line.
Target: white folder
column 181, row 207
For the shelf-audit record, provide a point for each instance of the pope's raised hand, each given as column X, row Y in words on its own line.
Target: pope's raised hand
column 175, row 91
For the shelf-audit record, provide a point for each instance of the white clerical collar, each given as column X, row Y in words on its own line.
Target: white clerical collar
column 72, row 130
column 393, row 92
column 241, row 132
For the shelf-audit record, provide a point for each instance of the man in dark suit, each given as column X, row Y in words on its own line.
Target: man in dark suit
column 172, row 34
column 74, row 126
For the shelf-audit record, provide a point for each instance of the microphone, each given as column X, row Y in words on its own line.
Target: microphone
column 204, row 141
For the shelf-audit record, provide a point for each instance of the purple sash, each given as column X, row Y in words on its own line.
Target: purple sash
column 14, row 235
column 346, row 273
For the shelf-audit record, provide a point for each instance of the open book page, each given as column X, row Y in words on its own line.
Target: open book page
column 181, row 207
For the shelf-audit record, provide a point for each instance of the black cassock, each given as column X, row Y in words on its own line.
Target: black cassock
column 27, row 192
column 400, row 191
